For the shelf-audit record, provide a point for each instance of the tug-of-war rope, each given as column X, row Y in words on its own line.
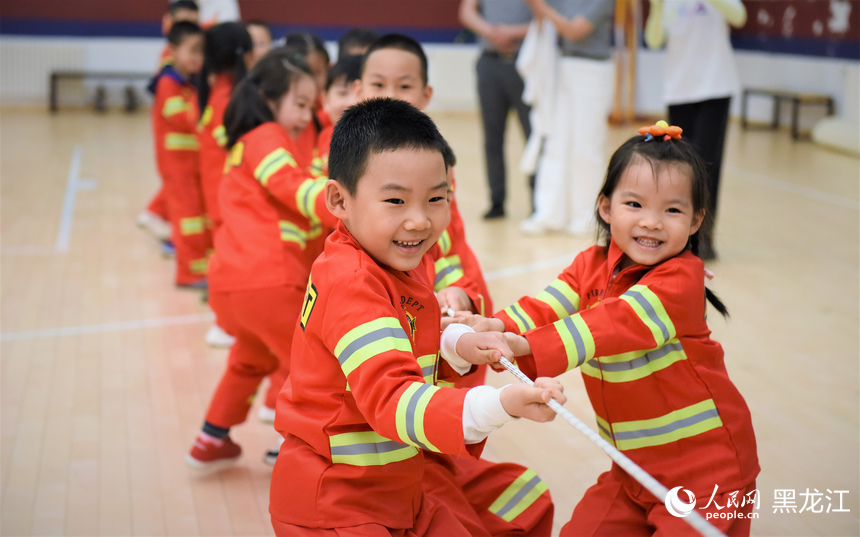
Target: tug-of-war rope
column 635, row 471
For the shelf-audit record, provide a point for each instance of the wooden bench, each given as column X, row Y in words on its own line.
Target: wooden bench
column 130, row 97
column 795, row 98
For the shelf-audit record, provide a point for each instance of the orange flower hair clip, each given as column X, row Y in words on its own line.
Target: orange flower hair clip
column 661, row 128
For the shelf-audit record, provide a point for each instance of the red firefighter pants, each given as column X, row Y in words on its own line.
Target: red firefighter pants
column 158, row 204
column 607, row 510
column 263, row 322
column 190, row 235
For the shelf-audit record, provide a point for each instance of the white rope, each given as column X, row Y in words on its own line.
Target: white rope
column 635, row 471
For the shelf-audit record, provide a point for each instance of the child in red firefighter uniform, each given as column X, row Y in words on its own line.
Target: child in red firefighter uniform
column 174, row 121
column 356, row 413
column 272, row 215
column 632, row 316
column 155, row 217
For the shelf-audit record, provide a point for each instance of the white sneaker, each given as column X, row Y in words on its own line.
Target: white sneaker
column 217, row 337
column 266, row 414
column 157, row 226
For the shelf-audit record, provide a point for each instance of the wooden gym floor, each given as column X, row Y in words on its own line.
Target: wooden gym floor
column 106, row 377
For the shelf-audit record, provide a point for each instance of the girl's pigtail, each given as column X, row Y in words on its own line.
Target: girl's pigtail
column 716, row 302
column 203, row 90
column 247, row 110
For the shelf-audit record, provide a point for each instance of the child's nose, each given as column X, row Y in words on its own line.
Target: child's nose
column 417, row 220
column 651, row 221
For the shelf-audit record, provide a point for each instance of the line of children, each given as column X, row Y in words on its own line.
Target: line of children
column 356, row 412
column 175, row 114
column 261, row 36
column 155, row 218
column 272, row 215
column 631, row 314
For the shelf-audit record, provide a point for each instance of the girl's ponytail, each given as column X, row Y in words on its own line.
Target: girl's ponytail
column 224, row 52
column 716, row 302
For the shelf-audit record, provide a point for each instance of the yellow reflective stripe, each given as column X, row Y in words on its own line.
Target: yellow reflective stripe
column 273, row 162
column 604, row 429
column 198, row 266
column 561, row 298
column 292, row 233
column 683, row 423
column 368, row 340
column 192, row 225
column 220, row 135
column 174, row 105
column 368, row 448
column 206, row 117
column 635, row 365
column 444, row 384
column 518, row 496
column 445, row 242
column 577, row 340
column 448, row 270
column 410, row 414
column 651, row 312
column 180, row 141
column 519, row 315
column 306, row 197
column 318, row 165
column 427, row 363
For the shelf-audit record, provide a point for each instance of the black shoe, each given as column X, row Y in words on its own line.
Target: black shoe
column 496, row 211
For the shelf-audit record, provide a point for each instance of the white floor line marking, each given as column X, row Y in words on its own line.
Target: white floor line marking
column 562, row 260
column 785, row 186
column 73, row 184
column 106, row 327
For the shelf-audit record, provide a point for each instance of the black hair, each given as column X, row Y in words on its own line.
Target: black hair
column 399, row 42
column 375, row 126
column 356, row 37
column 261, row 23
column 658, row 153
column 347, row 68
column 180, row 30
column 450, row 157
column 176, row 5
column 223, row 52
column 306, row 43
column 269, row 80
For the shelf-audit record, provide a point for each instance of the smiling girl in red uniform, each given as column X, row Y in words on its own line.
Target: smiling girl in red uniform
column 272, row 213
column 631, row 314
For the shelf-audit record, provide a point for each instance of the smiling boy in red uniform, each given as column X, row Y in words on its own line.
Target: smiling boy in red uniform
column 356, row 413
column 174, row 123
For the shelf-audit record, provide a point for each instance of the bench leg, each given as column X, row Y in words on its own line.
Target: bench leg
column 774, row 123
column 744, row 99
column 795, row 118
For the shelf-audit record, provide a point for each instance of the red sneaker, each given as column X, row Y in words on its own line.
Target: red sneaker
column 210, row 454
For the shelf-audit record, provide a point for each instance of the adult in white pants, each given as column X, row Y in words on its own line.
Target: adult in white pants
column 570, row 170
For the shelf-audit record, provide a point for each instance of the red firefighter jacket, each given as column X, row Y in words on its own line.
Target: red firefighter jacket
column 657, row 382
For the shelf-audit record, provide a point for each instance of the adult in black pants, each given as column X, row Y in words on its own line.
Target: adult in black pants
column 501, row 26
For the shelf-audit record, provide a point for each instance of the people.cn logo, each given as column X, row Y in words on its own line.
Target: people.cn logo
column 676, row 506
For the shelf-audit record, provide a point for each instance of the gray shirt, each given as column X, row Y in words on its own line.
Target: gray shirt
column 599, row 13
column 503, row 12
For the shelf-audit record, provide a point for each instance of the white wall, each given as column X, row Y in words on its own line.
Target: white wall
column 25, row 63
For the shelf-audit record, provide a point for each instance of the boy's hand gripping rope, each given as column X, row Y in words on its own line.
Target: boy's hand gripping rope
column 635, row 471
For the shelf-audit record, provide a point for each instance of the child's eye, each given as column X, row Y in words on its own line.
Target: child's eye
column 406, row 87
column 438, row 198
column 674, row 210
column 634, row 204
column 376, row 85
column 394, row 201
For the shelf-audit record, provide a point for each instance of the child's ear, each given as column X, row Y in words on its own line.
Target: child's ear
column 698, row 218
column 166, row 23
column 427, row 94
column 603, row 207
column 335, row 198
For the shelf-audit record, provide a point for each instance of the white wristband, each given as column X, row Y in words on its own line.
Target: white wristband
column 483, row 413
column 448, row 347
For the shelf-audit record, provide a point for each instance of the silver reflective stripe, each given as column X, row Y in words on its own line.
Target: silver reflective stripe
column 427, row 370
column 369, row 447
column 657, row 431
column 410, row 415
column 604, row 430
column 635, row 363
column 367, row 339
column 446, row 271
column 516, row 311
column 577, row 340
column 532, row 483
column 649, row 310
column 565, row 303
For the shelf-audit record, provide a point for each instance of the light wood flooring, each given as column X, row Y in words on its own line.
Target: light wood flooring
column 106, row 376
